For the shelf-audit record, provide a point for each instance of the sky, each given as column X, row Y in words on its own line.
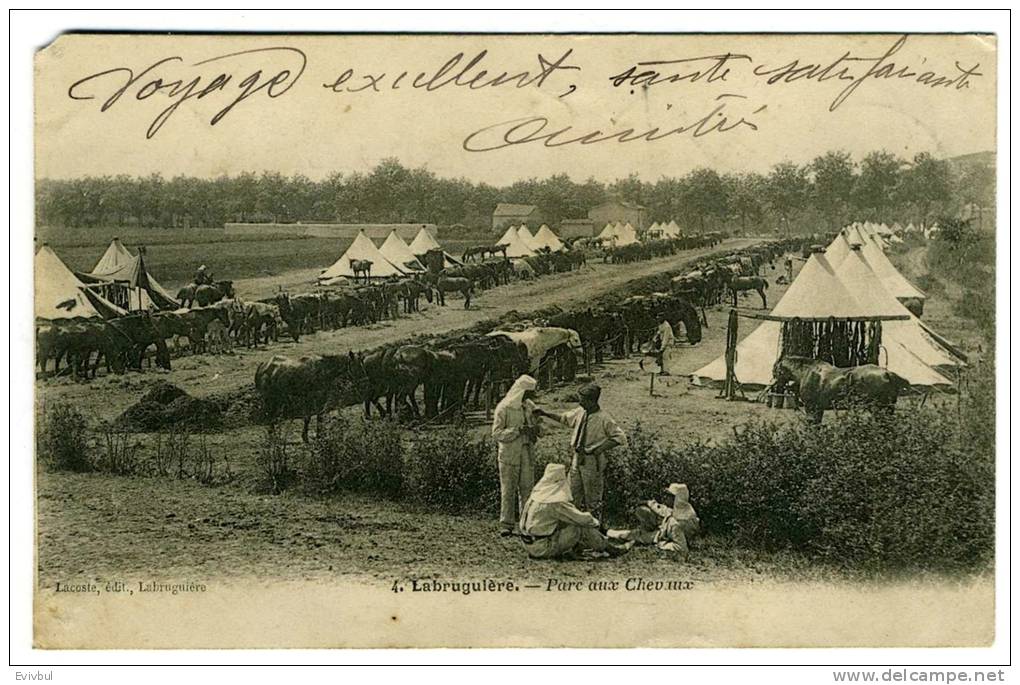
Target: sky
column 319, row 104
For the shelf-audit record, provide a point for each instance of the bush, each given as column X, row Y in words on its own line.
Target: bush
column 62, row 440
column 452, row 470
column 356, row 455
column 274, row 464
column 120, row 451
column 861, row 489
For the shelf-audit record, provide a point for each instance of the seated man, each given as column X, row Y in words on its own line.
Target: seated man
column 668, row 529
column 552, row 527
column 202, row 276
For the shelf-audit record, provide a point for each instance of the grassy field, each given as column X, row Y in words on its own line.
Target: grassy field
column 173, row 254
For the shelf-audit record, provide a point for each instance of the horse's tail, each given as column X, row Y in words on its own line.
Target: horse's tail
column 765, row 283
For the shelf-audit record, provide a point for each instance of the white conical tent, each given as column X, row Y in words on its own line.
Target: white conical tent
column 529, row 240
column 655, row 228
column 516, row 249
column 118, row 265
column 898, row 286
column 423, row 242
column 626, row 236
column 59, row 294
column 113, row 260
column 608, row 233
column 546, row 238
column 397, row 252
column 362, row 249
column 672, row 230
column 817, row 293
column 855, row 273
column 510, row 234
column 838, row 249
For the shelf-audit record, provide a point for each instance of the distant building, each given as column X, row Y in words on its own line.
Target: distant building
column 577, row 228
column 619, row 211
column 507, row 214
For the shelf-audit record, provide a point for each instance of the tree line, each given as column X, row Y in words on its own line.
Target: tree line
column 828, row 191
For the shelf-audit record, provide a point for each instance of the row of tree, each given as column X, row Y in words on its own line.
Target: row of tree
column 831, row 189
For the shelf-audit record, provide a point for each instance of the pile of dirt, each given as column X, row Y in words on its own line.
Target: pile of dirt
column 165, row 406
column 240, row 408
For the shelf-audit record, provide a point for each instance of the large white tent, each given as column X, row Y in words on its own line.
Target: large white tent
column 855, row 273
column 626, row 235
column 511, row 232
column 528, row 239
column 544, row 237
column 59, row 294
column 608, row 233
column 118, row 265
column 817, row 293
column 398, row 252
column 516, row 249
column 361, row 249
column 898, row 286
column 671, row 230
column 423, row 242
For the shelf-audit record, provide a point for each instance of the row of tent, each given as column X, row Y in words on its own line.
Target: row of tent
column 619, row 234
column 119, row 283
column 852, row 280
column 393, row 258
column 520, row 242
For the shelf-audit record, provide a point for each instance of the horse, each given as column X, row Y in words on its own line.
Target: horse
column 742, row 283
column 822, row 386
column 305, row 387
column 446, row 284
column 475, row 251
column 205, row 294
column 363, row 267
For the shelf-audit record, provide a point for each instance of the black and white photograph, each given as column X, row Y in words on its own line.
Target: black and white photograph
column 615, row 340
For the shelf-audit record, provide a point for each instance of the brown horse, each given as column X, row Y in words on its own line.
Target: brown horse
column 822, row 386
column 742, row 283
column 446, row 284
column 362, row 267
column 205, row 294
column 474, row 251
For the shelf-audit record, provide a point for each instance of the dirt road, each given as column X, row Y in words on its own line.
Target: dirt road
column 106, row 397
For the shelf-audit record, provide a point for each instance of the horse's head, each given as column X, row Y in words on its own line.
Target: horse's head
column 226, row 287
column 782, row 371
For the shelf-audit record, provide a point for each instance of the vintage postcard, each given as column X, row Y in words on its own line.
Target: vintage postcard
column 474, row 340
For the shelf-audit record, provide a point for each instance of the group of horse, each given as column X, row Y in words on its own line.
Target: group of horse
column 214, row 320
column 658, row 247
column 452, row 372
column 712, row 280
column 456, row 373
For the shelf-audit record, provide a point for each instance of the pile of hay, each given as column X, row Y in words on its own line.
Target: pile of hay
column 164, row 405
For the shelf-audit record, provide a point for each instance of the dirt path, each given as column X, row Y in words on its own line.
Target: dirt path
column 201, row 375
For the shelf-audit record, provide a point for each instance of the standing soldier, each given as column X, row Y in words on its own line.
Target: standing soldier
column 515, row 429
column 594, row 433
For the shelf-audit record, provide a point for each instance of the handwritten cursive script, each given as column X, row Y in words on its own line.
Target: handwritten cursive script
column 537, row 129
column 454, row 72
column 846, row 67
column 154, row 81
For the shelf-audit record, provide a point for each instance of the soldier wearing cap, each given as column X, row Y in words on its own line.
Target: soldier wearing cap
column 593, row 433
